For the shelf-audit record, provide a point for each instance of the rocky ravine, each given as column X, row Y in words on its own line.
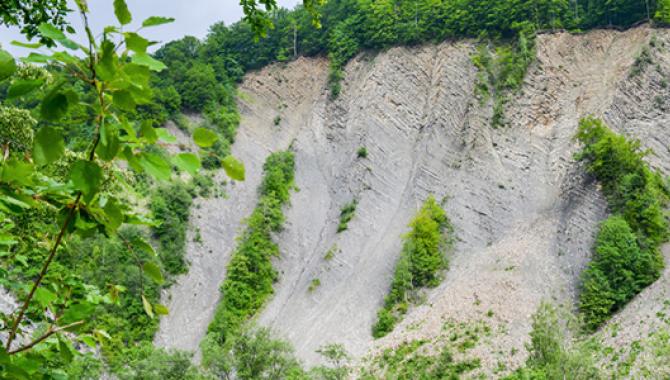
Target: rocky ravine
column 523, row 211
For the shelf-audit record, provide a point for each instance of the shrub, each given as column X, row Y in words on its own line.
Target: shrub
column 362, row 152
column 250, row 273
column 313, row 285
column 346, row 214
column 420, row 263
column 277, row 120
column 553, row 351
column 148, row 362
column 170, row 206
column 626, row 251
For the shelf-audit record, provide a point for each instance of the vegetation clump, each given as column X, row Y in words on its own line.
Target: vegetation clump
column 250, row 275
column 421, row 260
column 170, row 205
column 555, row 352
column 362, row 152
column 626, row 255
column 444, row 357
column 346, row 214
column 503, row 72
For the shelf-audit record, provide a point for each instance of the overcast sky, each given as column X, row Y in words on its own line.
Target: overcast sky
column 192, row 17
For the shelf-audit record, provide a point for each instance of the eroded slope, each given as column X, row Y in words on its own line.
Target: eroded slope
column 524, row 213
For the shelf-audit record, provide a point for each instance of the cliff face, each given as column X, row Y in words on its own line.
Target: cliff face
column 523, row 210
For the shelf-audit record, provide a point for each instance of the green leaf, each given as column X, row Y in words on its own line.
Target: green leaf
column 204, row 137
column 88, row 340
column 48, row 146
column 28, row 45
column 153, row 272
column 233, row 167
column 124, row 100
column 138, row 75
column 102, row 334
column 156, row 20
column 113, row 215
column 122, row 13
column 17, row 171
column 21, row 87
column 7, row 65
column 50, row 31
column 109, row 144
column 7, row 239
column 188, row 162
column 141, row 244
column 44, row 296
column 145, row 59
column 36, row 58
column 135, row 42
column 147, row 307
column 106, row 68
column 160, row 309
column 77, row 312
column 87, row 177
column 155, row 165
column 13, row 202
column 165, row 136
column 148, row 132
column 65, row 351
column 54, row 105
column 65, row 57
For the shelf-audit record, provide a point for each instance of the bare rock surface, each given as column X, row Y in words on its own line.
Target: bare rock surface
column 524, row 212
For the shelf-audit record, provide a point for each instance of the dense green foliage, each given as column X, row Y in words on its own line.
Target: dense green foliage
column 250, row 273
column 421, row 260
column 251, row 355
column 74, row 241
column 349, row 26
column 626, row 253
column 29, row 14
column 170, row 205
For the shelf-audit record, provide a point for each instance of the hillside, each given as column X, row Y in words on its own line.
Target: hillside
column 524, row 211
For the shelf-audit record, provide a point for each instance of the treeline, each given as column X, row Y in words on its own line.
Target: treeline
column 201, row 75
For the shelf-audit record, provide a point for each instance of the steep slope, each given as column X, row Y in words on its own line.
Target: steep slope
column 193, row 298
column 524, row 212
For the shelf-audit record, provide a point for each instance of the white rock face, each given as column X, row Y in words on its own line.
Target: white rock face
column 523, row 210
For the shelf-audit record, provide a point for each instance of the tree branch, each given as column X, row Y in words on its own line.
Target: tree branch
column 75, row 205
column 49, row 333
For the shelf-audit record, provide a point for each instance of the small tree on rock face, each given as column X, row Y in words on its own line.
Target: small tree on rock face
column 338, row 359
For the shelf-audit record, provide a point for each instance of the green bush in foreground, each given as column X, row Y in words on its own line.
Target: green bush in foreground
column 626, row 252
column 421, row 260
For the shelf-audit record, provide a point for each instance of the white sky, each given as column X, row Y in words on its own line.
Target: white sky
column 192, row 18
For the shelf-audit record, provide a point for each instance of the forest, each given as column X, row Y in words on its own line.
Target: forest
column 95, row 203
